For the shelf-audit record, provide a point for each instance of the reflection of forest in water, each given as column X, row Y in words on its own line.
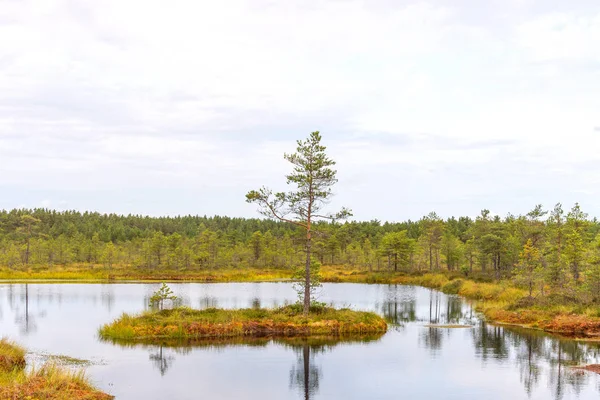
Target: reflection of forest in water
column 400, row 306
column 304, row 375
column 22, row 299
column 534, row 352
column 537, row 353
column 19, row 299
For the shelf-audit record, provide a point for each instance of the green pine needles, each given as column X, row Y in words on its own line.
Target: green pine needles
column 162, row 295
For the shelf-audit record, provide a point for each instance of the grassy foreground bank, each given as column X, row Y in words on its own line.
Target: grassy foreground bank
column 50, row 382
column 12, row 356
column 186, row 323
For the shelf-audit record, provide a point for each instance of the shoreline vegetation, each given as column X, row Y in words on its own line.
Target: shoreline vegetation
column 82, row 273
column 50, row 382
column 184, row 323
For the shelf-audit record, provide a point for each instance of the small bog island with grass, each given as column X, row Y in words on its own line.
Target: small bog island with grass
column 183, row 323
column 186, row 323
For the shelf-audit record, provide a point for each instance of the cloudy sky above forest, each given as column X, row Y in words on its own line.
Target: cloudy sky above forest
column 181, row 107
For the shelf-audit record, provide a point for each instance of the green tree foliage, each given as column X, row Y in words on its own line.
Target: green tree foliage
column 592, row 274
column 487, row 246
column 529, row 270
column 433, row 230
column 28, row 225
column 256, row 244
column 575, row 238
column 398, row 248
column 556, row 270
column 162, row 295
column 109, row 254
column 452, row 250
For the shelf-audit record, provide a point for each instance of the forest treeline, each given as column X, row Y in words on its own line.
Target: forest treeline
column 559, row 248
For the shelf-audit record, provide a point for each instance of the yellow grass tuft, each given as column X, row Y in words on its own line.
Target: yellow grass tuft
column 50, row 382
column 12, row 356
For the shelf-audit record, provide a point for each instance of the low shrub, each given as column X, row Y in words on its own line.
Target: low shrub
column 452, row 287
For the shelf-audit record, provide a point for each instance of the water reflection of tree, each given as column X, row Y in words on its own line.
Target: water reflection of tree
column 530, row 352
column 208, row 302
column 107, row 296
column 565, row 353
column 20, row 303
column 434, row 306
column 533, row 351
column 28, row 324
column 305, row 375
column 490, row 341
column 450, row 313
column 26, row 320
column 399, row 311
column 398, row 307
column 454, row 311
column 162, row 361
column 163, row 356
column 432, row 338
column 255, row 303
column 401, row 307
column 533, row 348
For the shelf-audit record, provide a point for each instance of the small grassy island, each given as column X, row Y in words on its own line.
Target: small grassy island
column 49, row 382
column 288, row 321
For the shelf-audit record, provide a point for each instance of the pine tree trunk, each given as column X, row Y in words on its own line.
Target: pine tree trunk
column 27, row 252
column 307, row 275
column 28, row 242
column 430, row 258
column 306, row 362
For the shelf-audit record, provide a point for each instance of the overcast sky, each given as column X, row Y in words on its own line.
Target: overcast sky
column 181, row 107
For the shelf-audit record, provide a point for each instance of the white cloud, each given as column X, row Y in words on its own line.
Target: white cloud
column 561, row 37
column 128, row 96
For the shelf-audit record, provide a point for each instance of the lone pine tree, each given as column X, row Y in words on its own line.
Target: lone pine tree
column 314, row 178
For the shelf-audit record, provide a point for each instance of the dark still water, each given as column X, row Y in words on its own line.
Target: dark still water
column 411, row 361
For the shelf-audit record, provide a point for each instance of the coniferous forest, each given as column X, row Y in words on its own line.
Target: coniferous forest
column 559, row 248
